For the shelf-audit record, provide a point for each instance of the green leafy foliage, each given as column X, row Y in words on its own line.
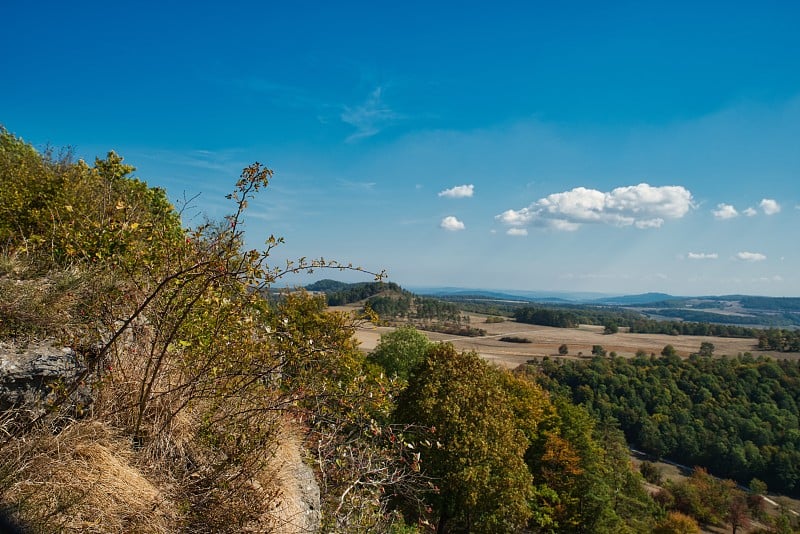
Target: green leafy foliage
column 736, row 416
column 71, row 211
column 477, row 456
column 401, row 351
column 503, row 456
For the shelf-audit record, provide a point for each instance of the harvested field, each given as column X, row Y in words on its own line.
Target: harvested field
column 545, row 341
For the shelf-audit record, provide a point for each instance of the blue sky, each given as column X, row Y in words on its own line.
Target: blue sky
column 581, row 146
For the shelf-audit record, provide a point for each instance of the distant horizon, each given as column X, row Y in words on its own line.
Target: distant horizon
column 592, row 147
column 414, row 288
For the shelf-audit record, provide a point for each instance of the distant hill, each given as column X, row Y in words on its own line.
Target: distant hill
column 512, row 294
column 341, row 293
column 742, row 310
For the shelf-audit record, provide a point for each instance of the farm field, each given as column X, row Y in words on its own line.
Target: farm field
column 545, row 341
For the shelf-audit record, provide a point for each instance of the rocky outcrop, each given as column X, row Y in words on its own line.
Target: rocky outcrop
column 33, row 376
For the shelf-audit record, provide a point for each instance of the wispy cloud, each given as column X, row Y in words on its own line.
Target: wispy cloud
column 725, row 211
column 750, row 212
column 459, row 191
column 358, row 186
column 702, row 256
column 642, row 206
column 519, row 232
column 770, row 206
column 451, row 224
column 751, row 256
column 369, row 117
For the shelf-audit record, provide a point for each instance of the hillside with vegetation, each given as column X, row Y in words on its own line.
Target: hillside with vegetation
column 738, row 416
column 393, row 305
column 147, row 385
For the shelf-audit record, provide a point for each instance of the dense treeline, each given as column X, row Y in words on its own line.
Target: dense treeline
column 779, row 340
column 391, row 306
column 736, row 416
column 784, row 304
column 417, row 309
column 570, row 317
column 775, row 319
column 675, row 328
column 547, row 317
column 485, row 305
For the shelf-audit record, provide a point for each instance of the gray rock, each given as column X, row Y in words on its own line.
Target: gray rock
column 34, row 375
column 309, row 498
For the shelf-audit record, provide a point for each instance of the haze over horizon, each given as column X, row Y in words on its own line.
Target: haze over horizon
column 621, row 149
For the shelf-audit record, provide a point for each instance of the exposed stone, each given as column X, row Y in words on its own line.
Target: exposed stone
column 34, row 375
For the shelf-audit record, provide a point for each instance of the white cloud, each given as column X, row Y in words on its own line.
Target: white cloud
column 517, row 231
column 459, row 191
column 643, row 206
column 369, row 117
column 751, row 256
column 452, row 224
column 564, row 226
column 750, row 212
column 514, row 218
column 702, row 256
column 770, row 206
column 725, row 211
column 650, row 223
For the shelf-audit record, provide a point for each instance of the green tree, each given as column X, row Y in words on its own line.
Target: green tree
column 598, row 350
column 706, row 349
column 677, row 523
column 669, row 351
column 476, row 456
column 400, row 351
column 563, row 349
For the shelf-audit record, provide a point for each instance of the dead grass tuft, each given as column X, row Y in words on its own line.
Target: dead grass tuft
column 84, row 479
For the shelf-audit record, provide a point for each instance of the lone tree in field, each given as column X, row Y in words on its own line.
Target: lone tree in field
column 563, row 349
column 706, row 349
column 400, row 351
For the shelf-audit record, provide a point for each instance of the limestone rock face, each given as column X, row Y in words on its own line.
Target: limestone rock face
column 32, row 375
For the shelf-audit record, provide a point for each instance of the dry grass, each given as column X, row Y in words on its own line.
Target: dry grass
column 192, row 462
column 54, row 302
column 83, row 479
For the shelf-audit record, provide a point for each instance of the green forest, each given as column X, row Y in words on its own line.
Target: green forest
column 198, row 404
column 736, row 416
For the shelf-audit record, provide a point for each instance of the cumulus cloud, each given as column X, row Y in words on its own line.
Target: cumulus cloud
column 517, row 231
column 642, row 206
column 702, row 256
column 750, row 212
column 751, row 256
column 451, row 224
column 770, row 206
column 725, row 211
column 459, row 191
